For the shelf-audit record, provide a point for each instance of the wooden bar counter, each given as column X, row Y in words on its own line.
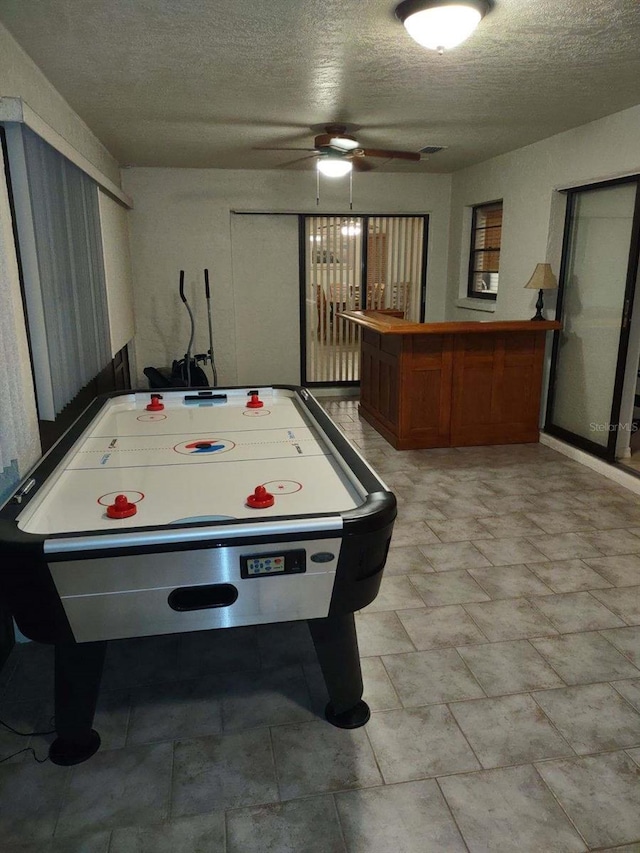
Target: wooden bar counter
column 451, row 384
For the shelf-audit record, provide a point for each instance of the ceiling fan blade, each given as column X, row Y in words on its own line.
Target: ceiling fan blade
column 297, row 160
column 262, row 148
column 391, row 155
column 361, row 165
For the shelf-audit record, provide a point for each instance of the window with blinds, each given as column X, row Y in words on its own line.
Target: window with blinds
column 58, row 224
column 351, row 263
column 19, row 443
column 484, row 257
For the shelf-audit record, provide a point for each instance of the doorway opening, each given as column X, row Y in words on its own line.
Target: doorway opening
column 350, row 263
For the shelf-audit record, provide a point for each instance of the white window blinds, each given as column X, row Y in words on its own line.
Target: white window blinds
column 61, row 251
column 19, row 440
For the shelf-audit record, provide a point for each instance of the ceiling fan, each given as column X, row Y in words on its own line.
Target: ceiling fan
column 337, row 149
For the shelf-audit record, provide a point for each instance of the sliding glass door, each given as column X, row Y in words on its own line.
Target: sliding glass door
column 597, row 280
column 348, row 263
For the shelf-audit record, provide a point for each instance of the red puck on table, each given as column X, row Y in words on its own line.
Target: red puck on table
column 255, row 402
column 260, row 499
column 155, row 405
column 121, row 508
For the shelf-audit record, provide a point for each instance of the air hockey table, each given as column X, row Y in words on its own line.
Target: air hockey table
column 191, row 510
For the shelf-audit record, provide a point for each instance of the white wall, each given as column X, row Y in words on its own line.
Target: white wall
column 117, row 270
column 533, row 212
column 181, row 220
column 265, row 292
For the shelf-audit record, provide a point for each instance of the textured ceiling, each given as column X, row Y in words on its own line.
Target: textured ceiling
column 201, row 83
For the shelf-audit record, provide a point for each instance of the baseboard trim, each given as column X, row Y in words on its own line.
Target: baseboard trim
column 607, row 469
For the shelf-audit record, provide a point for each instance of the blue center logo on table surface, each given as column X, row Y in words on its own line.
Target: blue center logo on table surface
column 206, row 446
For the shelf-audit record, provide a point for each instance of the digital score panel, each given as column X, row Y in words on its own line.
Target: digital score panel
column 267, row 565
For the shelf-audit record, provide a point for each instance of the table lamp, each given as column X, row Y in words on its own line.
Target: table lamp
column 542, row 279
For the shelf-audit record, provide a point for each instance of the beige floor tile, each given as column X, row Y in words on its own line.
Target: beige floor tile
column 459, row 530
column 510, row 526
column 576, row 611
column 461, row 507
column 606, row 517
column 417, row 743
column 627, row 641
column 183, row 835
column 396, row 592
column 624, row 601
column 508, row 810
column 553, row 502
column 419, row 511
column 509, row 582
column 430, row 677
column 310, row 824
column 440, row 627
column 85, row 842
column 224, row 771
column 448, row 588
column 584, row 658
column 568, row 576
column 454, row 555
column 412, row 533
column 516, row 486
column 404, row 560
column 381, row 634
column 411, row 817
column 591, row 717
column 510, row 552
column 560, row 521
column 603, row 497
column 315, row 757
column 623, row 570
column 30, row 798
column 510, row 619
column 508, row 730
column 612, row 542
column 511, row 503
column 565, row 546
column 117, row 788
column 630, row 690
column 509, row 667
column 600, row 794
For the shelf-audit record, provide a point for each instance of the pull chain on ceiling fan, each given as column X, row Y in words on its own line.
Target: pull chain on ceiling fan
column 338, row 153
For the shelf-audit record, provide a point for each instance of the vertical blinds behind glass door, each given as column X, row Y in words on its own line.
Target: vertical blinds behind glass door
column 72, row 292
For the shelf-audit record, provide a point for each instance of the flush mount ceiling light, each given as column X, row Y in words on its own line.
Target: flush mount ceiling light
column 441, row 24
column 334, row 167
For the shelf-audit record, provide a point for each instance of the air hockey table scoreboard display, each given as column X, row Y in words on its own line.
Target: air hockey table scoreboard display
column 190, row 510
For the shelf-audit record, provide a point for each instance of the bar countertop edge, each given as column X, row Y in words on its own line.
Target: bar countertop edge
column 386, row 324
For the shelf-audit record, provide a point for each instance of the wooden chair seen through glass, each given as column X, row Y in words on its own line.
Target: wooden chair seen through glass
column 484, row 258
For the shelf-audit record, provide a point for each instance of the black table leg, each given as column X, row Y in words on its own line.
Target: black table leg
column 337, row 647
column 78, row 673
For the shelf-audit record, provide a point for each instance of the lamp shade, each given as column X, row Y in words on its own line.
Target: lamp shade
column 441, row 24
column 542, row 278
column 334, row 167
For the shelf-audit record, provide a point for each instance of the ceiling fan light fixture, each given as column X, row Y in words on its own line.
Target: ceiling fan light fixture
column 334, row 167
column 441, row 24
column 344, row 143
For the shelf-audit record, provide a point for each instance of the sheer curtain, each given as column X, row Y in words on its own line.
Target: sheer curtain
column 58, row 225
column 19, row 440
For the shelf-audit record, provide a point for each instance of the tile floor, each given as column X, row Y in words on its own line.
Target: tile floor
column 501, row 662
